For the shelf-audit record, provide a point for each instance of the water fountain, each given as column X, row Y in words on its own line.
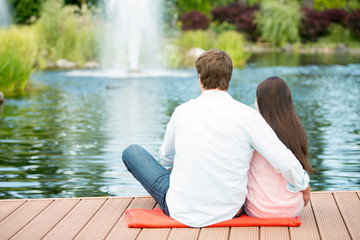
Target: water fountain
column 5, row 17
column 132, row 35
column 131, row 44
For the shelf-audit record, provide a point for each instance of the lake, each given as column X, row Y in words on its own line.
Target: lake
column 65, row 139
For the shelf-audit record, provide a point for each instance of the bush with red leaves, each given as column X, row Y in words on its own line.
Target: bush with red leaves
column 336, row 15
column 194, row 20
column 314, row 25
column 241, row 16
column 354, row 22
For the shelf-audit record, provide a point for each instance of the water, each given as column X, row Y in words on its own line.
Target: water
column 132, row 37
column 5, row 17
column 66, row 139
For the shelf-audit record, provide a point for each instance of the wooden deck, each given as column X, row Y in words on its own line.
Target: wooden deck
column 331, row 215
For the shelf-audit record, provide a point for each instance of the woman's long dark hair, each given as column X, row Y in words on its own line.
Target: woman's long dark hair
column 275, row 105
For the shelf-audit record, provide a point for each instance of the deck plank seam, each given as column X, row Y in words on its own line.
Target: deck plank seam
column 229, row 233
column 14, row 210
column 90, row 218
column 60, row 219
column 341, row 214
column 139, row 232
column 118, row 219
column 259, row 233
column 32, row 218
column 230, row 229
column 316, row 221
column 167, row 236
column 289, row 233
column 198, row 235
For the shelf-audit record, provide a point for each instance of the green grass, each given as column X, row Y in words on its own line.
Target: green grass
column 18, row 49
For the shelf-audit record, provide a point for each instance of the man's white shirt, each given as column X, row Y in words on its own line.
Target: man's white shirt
column 208, row 143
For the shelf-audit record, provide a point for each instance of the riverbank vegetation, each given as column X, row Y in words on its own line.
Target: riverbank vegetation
column 60, row 32
column 191, row 43
column 67, row 29
column 66, row 32
column 18, row 48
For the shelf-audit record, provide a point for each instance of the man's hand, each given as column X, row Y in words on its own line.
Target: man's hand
column 306, row 195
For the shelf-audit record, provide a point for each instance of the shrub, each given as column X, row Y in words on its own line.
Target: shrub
column 199, row 38
column 338, row 35
column 278, row 21
column 203, row 6
column 354, row 22
column 336, row 15
column 330, row 4
column 221, row 27
column 230, row 41
column 242, row 17
column 314, row 25
column 199, row 5
column 18, row 48
column 67, row 32
column 25, row 10
column 49, row 25
column 233, row 43
column 194, row 20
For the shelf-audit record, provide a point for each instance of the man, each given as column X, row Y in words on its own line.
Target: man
column 208, row 144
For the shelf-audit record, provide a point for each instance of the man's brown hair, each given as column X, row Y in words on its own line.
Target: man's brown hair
column 215, row 69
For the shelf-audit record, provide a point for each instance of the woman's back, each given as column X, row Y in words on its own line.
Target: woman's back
column 267, row 194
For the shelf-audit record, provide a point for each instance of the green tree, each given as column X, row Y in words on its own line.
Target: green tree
column 278, row 21
column 25, row 11
column 328, row 4
column 203, row 6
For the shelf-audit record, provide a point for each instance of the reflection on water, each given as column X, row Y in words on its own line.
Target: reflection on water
column 67, row 140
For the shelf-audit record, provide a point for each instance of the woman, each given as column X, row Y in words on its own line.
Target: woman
column 269, row 195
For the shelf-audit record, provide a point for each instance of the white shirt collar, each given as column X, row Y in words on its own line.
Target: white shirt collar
column 215, row 94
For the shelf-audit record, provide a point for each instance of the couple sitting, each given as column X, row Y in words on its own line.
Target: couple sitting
column 221, row 158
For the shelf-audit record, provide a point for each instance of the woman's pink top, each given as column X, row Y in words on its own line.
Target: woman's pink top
column 268, row 196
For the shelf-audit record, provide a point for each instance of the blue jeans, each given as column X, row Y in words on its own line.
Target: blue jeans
column 154, row 178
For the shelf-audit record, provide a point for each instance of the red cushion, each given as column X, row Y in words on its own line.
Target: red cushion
column 143, row 218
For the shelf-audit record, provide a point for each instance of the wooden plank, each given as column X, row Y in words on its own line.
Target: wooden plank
column 216, row 233
column 7, row 207
column 47, row 219
column 22, row 216
column 120, row 229
column 308, row 228
column 154, row 233
column 75, row 220
column 328, row 217
column 100, row 225
column 349, row 205
column 239, row 233
column 184, row 233
column 274, row 233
